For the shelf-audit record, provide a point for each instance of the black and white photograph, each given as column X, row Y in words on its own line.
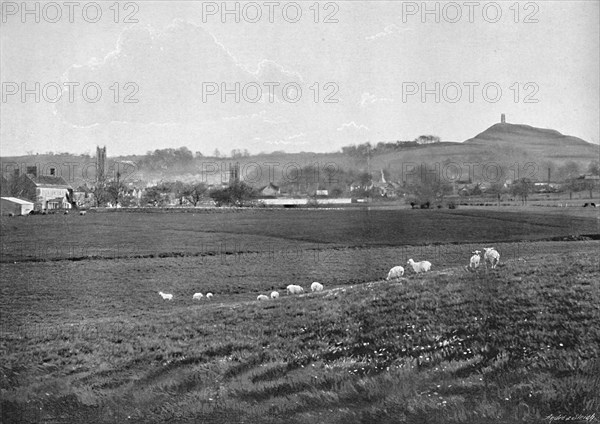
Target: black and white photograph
column 300, row 212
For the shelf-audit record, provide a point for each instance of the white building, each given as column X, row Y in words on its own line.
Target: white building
column 15, row 206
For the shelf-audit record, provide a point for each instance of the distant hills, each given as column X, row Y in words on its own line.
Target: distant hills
column 503, row 143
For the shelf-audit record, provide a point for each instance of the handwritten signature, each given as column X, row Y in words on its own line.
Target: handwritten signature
column 578, row 417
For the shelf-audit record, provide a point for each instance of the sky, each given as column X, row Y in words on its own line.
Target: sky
column 290, row 76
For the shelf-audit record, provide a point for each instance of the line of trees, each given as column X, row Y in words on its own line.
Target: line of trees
column 158, row 195
column 366, row 149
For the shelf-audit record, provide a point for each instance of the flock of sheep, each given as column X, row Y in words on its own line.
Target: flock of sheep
column 196, row 296
column 490, row 255
column 292, row 289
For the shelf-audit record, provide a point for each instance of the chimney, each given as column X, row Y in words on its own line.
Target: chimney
column 503, row 119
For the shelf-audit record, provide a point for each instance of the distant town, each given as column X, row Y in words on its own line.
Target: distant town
column 424, row 173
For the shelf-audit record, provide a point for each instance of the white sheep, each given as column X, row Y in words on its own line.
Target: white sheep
column 274, row 295
column 262, row 297
column 395, row 272
column 209, row 296
column 166, row 296
column 492, row 256
column 197, row 296
column 294, row 289
column 475, row 259
column 316, row 287
column 422, row 266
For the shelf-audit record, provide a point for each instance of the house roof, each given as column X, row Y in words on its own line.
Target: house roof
column 17, row 200
column 271, row 185
column 48, row 181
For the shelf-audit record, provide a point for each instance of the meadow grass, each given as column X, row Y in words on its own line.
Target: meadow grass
column 510, row 345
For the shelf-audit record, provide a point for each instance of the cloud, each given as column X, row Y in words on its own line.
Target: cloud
column 352, row 126
column 269, row 70
column 369, row 99
column 289, row 140
column 390, row 29
column 178, row 74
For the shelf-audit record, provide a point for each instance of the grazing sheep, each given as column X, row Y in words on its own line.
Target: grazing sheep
column 316, row 287
column 262, row 297
column 422, row 266
column 294, row 289
column 82, row 212
column 274, row 295
column 166, row 296
column 395, row 272
column 197, row 296
column 492, row 256
column 475, row 259
column 209, row 296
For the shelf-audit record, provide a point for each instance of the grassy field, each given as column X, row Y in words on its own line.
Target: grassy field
column 86, row 338
column 208, row 232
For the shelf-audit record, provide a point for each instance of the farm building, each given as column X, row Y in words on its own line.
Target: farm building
column 270, row 190
column 15, row 206
column 546, row 187
column 46, row 191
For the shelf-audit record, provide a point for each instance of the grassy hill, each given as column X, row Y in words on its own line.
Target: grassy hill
column 546, row 143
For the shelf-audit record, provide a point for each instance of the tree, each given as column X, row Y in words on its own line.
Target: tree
column 594, row 168
column 476, row 191
column 426, row 139
column 179, row 190
column 522, row 188
column 336, row 192
column 430, row 190
column 580, row 184
column 153, row 196
column 100, row 193
column 570, row 170
column 236, row 194
column 365, row 179
column 194, row 192
column 115, row 191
